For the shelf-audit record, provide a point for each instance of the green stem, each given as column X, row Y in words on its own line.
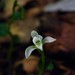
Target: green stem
column 43, row 63
column 11, row 42
column 10, row 50
column 39, row 51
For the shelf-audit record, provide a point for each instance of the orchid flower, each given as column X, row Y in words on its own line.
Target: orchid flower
column 38, row 43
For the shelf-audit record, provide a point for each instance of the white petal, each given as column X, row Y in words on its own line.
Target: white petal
column 38, row 42
column 34, row 33
column 29, row 50
column 40, row 47
column 39, row 36
column 48, row 40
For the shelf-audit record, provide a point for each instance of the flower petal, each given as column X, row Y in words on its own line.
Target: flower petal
column 48, row 40
column 39, row 36
column 38, row 42
column 34, row 33
column 29, row 50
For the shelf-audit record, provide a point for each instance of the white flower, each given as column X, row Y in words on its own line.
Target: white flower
column 38, row 43
column 48, row 39
column 29, row 50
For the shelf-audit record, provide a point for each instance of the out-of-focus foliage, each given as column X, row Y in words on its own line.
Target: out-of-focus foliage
column 24, row 23
column 1, row 4
column 17, row 15
column 16, row 39
column 50, row 66
column 3, row 29
column 8, row 9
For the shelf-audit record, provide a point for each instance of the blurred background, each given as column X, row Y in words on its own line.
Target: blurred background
column 54, row 18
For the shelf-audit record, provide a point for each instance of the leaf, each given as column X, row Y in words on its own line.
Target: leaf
column 19, row 14
column 50, row 66
column 3, row 29
column 22, row 12
column 16, row 15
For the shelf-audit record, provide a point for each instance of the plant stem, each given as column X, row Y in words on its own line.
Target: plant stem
column 10, row 50
column 39, row 51
column 43, row 63
column 11, row 41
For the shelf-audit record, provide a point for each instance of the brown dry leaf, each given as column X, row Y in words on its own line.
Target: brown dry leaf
column 23, row 28
column 65, row 41
column 68, row 36
column 70, row 17
column 33, row 12
column 67, row 70
column 31, row 64
column 53, row 47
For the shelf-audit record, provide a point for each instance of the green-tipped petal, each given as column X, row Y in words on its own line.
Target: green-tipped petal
column 38, row 42
column 34, row 33
column 39, row 36
column 29, row 50
column 48, row 40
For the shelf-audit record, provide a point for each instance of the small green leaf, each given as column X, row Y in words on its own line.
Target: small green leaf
column 16, row 15
column 23, row 12
column 50, row 66
column 3, row 29
column 19, row 14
